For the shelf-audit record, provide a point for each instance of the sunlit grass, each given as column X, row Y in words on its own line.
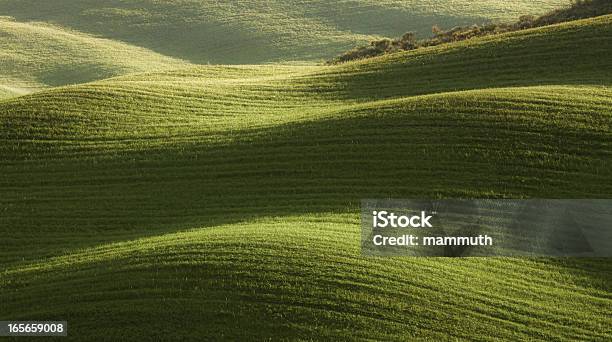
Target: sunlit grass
column 168, row 204
column 256, row 32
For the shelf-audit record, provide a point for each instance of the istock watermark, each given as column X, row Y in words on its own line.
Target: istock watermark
column 384, row 219
column 487, row 227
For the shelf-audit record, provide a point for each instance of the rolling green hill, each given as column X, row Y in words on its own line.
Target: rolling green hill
column 251, row 31
column 36, row 55
column 64, row 42
column 168, row 204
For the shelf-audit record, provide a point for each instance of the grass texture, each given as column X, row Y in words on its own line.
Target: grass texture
column 34, row 56
column 222, row 202
column 248, row 31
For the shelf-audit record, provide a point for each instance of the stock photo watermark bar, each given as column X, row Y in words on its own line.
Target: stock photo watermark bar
column 487, row 227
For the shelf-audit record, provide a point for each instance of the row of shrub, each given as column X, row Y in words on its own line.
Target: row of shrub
column 579, row 9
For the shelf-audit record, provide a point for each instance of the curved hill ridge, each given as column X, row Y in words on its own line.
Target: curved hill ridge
column 251, row 31
column 37, row 55
column 214, row 98
column 295, row 271
column 232, row 193
column 196, row 114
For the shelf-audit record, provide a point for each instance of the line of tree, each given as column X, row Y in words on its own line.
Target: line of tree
column 579, row 9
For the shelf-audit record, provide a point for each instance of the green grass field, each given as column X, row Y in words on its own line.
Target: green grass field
column 36, row 55
column 61, row 42
column 222, row 202
column 250, row 31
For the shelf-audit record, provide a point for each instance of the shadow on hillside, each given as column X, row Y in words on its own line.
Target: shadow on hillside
column 553, row 56
column 313, row 167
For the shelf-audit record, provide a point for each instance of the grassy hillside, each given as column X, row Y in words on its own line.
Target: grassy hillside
column 254, row 31
column 36, row 55
column 169, row 204
column 298, row 277
column 579, row 9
